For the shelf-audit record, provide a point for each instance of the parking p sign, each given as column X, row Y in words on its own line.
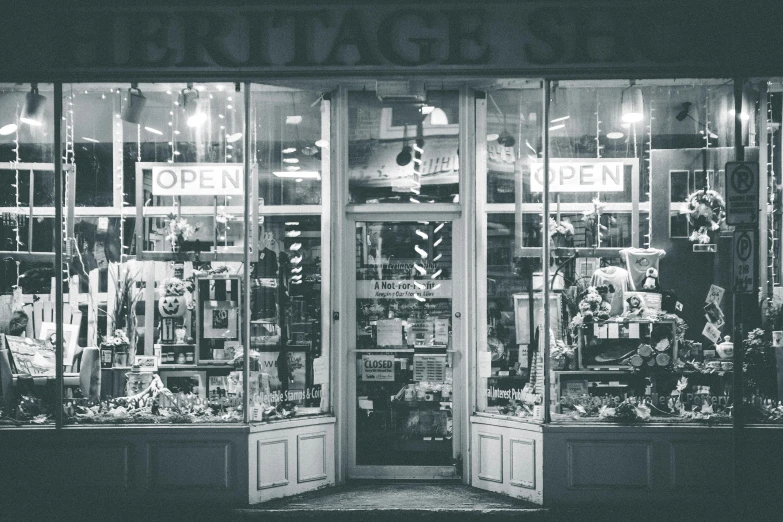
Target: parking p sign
column 744, row 260
column 742, row 193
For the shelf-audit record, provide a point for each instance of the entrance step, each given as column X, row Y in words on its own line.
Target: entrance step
column 397, row 502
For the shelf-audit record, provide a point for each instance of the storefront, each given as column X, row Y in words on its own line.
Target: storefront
column 250, row 252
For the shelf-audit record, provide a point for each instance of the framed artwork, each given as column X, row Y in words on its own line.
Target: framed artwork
column 30, row 356
column 48, row 332
column 220, row 320
column 186, row 381
column 147, row 363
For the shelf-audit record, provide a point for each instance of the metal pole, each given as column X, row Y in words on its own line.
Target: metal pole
column 245, row 315
column 740, row 304
column 58, row 251
column 545, row 249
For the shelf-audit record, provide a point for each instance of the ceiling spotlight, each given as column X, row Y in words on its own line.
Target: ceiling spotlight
column 632, row 103
column 5, row 130
column 684, row 112
column 33, row 110
column 615, row 135
column 131, row 111
column 231, row 138
column 190, row 102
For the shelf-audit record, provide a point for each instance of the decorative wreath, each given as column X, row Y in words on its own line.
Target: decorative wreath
column 706, row 211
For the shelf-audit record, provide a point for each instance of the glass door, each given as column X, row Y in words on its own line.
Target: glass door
column 405, row 349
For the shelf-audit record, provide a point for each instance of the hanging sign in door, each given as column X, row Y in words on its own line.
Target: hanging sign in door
column 378, row 367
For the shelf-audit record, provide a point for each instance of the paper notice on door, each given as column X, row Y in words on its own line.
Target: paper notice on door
column 485, row 364
column 320, row 370
column 389, row 332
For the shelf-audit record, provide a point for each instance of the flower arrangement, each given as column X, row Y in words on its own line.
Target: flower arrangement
column 706, row 211
column 174, row 286
column 559, row 353
column 178, row 230
column 559, row 232
column 119, row 338
column 630, row 410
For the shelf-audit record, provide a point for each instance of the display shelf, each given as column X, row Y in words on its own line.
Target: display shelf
column 163, row 367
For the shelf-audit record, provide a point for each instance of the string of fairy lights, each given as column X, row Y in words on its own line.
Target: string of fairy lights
column 18, row 213
column 771, row 190
column 647, row 162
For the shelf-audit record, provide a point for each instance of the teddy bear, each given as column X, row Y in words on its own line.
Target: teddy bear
column 635, row 306
column 651, row 279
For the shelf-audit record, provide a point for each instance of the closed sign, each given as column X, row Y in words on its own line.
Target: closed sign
column 377, row 367
column 218, row 179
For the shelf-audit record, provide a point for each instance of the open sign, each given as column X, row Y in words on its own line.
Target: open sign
column 208, row 179
column 579, row 176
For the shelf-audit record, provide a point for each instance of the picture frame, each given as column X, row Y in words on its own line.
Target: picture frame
column 220, row 320
column 524, row 329
column 147, row 363
column 186, row 381
column 48, row 332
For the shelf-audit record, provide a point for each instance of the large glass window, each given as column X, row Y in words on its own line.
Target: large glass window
column 154, row 304
column 639, row 285
column 27, row 245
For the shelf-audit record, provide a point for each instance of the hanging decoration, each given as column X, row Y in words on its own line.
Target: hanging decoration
column 706, row 211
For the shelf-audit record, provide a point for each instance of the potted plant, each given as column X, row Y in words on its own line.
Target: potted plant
column 115, row 349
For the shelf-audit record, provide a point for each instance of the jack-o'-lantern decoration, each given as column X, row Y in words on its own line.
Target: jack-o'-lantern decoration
column 172, row 306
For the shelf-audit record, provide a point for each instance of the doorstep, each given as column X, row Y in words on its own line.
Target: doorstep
column 394, row 501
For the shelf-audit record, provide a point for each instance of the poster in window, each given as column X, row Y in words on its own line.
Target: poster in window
column 220, row 320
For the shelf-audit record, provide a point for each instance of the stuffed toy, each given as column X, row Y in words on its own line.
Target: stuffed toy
column 651, row 279
column 635, row 306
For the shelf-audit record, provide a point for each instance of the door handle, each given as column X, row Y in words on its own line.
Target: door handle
column 457, row 315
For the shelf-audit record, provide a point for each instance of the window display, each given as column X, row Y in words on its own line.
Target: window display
column 27, row 245
column 639, row 317
column 153, row 302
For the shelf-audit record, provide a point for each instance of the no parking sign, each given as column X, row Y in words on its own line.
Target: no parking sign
column 742, row 193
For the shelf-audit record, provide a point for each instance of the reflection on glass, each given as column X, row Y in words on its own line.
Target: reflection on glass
column 403, row 328
column 290, row 144
column 403, row 152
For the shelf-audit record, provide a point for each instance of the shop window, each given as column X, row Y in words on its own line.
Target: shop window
column 403, row 145
column 153, row 303
column 626, row 343
column 27, row 239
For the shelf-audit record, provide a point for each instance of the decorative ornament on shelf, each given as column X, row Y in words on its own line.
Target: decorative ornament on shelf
column 173, row 303
column 706, row 212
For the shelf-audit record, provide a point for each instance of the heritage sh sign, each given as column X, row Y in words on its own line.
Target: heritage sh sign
column 218, row 179
column 744, row 265
column 578, row 176
column 742, row 193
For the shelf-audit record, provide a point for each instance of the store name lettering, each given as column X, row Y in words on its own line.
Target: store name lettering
column 223, row 180
column 579, row 176
column 505, row 35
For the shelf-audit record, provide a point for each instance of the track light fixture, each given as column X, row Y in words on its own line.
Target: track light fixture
column 34, row 105
column 133, row 108
column 632, row 103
